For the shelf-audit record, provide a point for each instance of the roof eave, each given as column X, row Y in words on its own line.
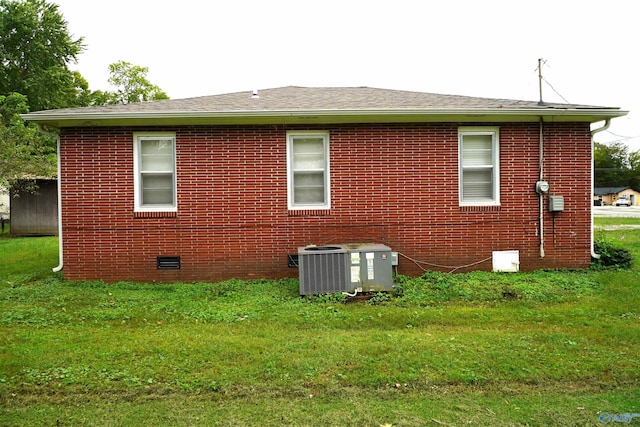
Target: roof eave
column 88, row 119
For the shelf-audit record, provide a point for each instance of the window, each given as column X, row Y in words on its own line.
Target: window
column 479, row 166
column 155, row 172
column 308, row 170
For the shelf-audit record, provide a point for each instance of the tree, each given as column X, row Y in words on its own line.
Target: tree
column 612, row 167
column 35, row 50
column 131, row 85
column 634, row 173
column 24, row 152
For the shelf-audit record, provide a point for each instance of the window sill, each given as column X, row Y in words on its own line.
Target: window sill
column 480, row 208
column 155, row 214
column 309, row 212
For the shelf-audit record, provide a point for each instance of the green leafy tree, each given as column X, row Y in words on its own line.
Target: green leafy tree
column 634, row 173
column 131, row 85
column 24, row 152
column 612, row 167
column 35, row 50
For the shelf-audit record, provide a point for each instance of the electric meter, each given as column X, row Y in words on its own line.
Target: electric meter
column 542, row 187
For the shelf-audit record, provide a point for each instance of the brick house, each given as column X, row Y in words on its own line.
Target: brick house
column 229, row 185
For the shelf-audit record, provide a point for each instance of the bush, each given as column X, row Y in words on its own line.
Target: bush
column 611, row 256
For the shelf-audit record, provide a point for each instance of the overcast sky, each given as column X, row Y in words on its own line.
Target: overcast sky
column 487, row 48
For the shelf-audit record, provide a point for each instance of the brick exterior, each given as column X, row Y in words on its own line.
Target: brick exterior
column 395, row 184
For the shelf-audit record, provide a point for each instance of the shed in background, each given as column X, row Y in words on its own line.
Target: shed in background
column 35, row 214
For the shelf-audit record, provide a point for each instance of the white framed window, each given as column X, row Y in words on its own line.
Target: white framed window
column 308, row 170
column 479, row 164
column 155, row 172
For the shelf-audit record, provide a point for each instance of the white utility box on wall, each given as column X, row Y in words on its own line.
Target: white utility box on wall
column 556, row 203
column 506, row 261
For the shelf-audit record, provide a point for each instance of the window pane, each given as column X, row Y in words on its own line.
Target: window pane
column 308, row 153
column 157, row 189
column 477, row 150
column 156, row 155
column 308, row 187
column 477, row 184
column 309, row 196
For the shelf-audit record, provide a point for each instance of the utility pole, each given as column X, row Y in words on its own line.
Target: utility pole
column 541, row 102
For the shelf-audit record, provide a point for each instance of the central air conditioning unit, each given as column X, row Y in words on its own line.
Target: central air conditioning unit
column 353, row 267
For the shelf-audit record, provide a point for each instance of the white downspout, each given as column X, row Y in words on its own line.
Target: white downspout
column 607, row 122
column 60, row 257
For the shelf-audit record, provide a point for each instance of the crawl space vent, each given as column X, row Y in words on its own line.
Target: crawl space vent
column 168, row 262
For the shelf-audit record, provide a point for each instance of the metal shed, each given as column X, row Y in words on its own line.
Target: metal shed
column 35, row 214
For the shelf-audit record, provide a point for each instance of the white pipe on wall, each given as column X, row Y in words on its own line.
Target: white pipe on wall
column 42, row 130
column 593, row 180
column 60, row 257
column 540, row 178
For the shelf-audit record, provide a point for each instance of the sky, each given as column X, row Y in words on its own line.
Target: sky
column 483, row 48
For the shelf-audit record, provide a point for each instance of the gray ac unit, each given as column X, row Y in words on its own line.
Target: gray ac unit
column 353, row 267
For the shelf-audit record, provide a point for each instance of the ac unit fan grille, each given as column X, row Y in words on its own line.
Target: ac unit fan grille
column 323, row 273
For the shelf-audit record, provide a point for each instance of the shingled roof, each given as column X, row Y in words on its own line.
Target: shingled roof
column 294, row 104
column 603, row 191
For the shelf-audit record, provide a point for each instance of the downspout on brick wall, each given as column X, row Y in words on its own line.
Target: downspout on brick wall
column 60, row 257
column 43, row 131
column 593, row 175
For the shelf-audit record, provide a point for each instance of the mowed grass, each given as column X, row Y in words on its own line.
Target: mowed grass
column 602, row 221
column 544, row 348
column 27, row 258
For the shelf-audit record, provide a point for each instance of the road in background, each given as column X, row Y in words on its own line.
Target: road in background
column 616, row 211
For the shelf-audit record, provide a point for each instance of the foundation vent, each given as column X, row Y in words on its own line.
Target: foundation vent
column 168, row 263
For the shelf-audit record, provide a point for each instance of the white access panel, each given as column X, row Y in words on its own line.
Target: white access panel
column 506, row 261
column 370, row 266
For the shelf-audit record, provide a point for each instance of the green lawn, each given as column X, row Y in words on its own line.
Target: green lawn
column 616, row 221
column 544, row 348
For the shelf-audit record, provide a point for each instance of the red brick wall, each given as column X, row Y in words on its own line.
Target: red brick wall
column 392, row 184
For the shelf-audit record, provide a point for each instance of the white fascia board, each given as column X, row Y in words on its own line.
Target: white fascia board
column 411, row 115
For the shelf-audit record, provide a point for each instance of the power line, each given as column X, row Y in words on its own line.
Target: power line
column 621, row 138
column 554, row 89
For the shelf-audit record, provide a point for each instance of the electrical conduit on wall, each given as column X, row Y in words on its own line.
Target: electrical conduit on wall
column 540, row 178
